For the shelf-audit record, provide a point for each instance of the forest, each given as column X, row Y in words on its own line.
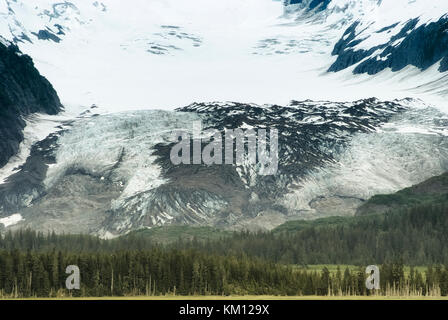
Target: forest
column 33, row 264
column 417, row 236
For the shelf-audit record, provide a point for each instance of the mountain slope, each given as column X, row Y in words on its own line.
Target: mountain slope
column 414, row 236
column 22, row 91
column 432, row 191
column 114, row 172
column 406, row 44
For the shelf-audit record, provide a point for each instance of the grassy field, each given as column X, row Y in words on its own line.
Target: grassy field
column 248, row 298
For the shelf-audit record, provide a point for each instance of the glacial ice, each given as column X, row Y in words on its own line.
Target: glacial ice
column 239, row 50
column 119, row 148
column 409, row 149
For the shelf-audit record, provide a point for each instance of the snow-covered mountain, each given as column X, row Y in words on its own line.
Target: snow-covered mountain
column 23, row 91
column 111, row 174
column 120, row 54
column 128, row 65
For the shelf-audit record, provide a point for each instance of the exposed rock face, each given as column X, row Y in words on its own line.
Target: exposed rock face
column 311, row 4
column 114, row 171
column 22, row 91
column 421, row 46
column 79, row 204
column 26, row 185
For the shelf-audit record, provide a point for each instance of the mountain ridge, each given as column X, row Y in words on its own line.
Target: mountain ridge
column 23, row 91
column 115, row 171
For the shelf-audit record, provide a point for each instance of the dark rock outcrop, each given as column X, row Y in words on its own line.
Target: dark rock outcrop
column 22, row 91
column 47, row 35
column 421, row 47
column 319, row 4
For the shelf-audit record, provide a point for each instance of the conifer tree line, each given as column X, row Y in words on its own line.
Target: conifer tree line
column 33, row 263
column 174, row 272
column 418, row 236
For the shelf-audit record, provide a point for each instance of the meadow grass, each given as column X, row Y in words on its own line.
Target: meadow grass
column 247, row 298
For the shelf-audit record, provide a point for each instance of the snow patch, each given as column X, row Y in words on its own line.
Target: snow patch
column 11, row 220
column 38, row 127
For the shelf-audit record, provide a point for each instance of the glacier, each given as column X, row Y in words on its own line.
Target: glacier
column 111, row 174
column 129, row 73
column 166, row 53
